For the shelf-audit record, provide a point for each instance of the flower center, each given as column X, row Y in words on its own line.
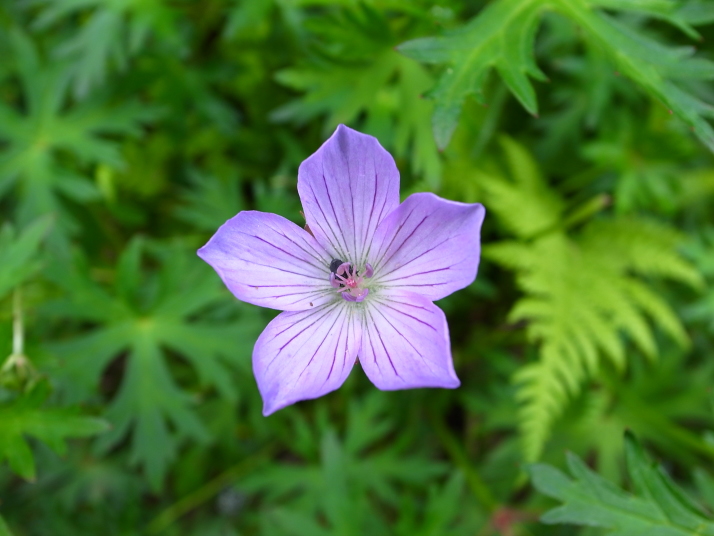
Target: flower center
column 348, row 281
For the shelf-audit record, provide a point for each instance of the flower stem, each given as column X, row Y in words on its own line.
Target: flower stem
column 211, row 488
column 454, row 449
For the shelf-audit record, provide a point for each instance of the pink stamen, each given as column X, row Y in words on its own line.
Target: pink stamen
column 349, row 282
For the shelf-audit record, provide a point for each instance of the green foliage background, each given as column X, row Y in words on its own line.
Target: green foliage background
column 131, row 129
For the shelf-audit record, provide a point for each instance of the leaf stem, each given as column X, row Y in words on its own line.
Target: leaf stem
column 208, row 490
column 458, row 455
column 18, row 328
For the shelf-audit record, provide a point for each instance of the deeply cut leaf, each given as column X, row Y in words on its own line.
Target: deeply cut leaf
column 657, row 505
column 502, row 37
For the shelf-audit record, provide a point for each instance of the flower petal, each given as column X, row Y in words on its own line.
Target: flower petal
column 428, row 245
column 405, row 343
column 267, row 260
column 306, row 354
column 347, row 187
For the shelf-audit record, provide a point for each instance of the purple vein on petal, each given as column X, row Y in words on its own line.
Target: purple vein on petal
column 414, row 275
column 347, row 342
column 374, row 203
column 337, row 245
column 386, row 304
column 327, row 334
column 377, row 263
column 313, row 254
column 281, row 286
column 379, row 334
column 366, row 331
column 287, row 252
column 315, row 293
column 420, row 285
column 417, row 257
column 314, row 312
column 377, row 221
column 426, row 361
column 337, row 345
column 278, row 269
column 332, row 206
column 354, row 222
column 400, row 246
column 299, row 333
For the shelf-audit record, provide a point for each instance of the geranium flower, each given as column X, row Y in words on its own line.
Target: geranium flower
column 357, row 282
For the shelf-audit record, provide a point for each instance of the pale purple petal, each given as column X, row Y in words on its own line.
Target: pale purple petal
column 306, row 354
column 347, row 188
column 405, row 343
column 428, row 245
column 267, row 260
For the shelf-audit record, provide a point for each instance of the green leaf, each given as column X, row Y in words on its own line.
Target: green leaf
column 373, row 82
column 145, row 318
column 4, row 531
column 113, row 31
column 18, row 256
column 210, row 202
column 32, row 163
column 362, row 464
column 26, row 416
column 502, row 37
column 657, row 506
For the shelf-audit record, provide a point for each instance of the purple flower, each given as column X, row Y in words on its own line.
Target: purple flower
column 359, row 282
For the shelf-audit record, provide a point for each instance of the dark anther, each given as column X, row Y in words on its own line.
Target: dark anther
column 334, row 265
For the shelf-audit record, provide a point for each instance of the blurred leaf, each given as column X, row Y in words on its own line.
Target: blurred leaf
column 657, row 505
column 4, row 531
column 18, row 256
column 144, row 319
column 35, row 139
column 112, row 32
column 26, row 416
column 363, row 463
column 367, row 79
column 210, row 202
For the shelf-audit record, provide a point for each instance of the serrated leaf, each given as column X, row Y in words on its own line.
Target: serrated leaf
column 377, row 83
column 657, row 507
column 502, row 37
column 350, row 469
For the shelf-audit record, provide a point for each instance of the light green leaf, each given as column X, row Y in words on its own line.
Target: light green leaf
column 4, row 531
column 582, row 290
column 657, row 506
column 18, row 256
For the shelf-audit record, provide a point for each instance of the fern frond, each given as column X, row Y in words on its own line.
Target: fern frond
column 584, row 296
